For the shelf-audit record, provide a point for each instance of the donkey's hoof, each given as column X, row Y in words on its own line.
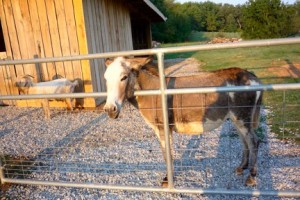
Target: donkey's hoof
column 165, row 182
column 239, row 171
column 250, row 181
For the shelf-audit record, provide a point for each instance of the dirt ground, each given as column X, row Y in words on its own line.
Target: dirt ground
column 290, row 70
column 182, row 67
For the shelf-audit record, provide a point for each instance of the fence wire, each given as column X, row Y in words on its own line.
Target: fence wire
column 86, row 149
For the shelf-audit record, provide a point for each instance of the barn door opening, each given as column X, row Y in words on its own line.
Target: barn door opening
column 2, row 44
column 6, row 73
column 141, row 33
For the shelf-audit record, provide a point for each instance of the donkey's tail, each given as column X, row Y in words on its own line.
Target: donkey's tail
column 256, row 112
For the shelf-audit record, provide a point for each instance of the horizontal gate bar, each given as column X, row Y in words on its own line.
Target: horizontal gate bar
column 156, row 189
column 252, row 43
column 268, row 87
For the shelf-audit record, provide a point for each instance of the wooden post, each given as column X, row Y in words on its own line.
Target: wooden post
column 83, row 49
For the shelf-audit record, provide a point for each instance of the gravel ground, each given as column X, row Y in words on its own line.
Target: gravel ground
column 88, row 147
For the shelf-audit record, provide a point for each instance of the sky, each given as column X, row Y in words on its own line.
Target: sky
column 233, row 2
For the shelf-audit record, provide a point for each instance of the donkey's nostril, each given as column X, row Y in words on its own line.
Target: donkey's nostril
column 106, row 109
column 110, row 108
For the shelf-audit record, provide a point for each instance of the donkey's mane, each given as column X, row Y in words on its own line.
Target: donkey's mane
column 150, row 69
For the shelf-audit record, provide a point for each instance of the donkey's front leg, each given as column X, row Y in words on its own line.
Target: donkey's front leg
column 161, row 136
column 69, row 104
column 45, row 105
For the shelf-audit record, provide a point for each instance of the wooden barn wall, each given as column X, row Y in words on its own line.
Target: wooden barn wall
column 108, row 29
column 44, row 28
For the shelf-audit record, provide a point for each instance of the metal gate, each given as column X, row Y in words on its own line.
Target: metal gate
column 72, row 157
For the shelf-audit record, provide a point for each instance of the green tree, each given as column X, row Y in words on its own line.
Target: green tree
column 211, row 16
column 229, row 18
column 266, row 19
column 257, row 19
column 196, row 15
column 295, row 21
column 178, row 25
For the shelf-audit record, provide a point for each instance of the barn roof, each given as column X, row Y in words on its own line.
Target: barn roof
column 148, row 9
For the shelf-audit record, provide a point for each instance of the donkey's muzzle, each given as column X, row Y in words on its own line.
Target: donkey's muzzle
column 112, row 111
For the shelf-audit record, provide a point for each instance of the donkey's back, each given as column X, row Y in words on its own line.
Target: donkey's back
column 195, row 113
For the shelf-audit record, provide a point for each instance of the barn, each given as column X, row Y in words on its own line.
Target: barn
column 55, row 28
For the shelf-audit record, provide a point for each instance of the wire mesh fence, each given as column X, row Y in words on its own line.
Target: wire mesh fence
column 87, row 149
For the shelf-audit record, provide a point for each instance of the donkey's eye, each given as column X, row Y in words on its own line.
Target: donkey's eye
column 124, row 78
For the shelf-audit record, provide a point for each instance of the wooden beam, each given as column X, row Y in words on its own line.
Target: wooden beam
column 42, row 72
column 73, row 39
column 50, row 71
column 55, row 37
column 64, row 37
column 83, row 49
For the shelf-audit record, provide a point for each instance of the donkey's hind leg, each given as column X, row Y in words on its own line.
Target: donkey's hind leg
column 245, row 157
column 250, row 150
column 161, row 136
column 253, row 143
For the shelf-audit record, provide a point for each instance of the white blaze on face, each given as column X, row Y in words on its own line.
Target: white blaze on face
column 115, row 82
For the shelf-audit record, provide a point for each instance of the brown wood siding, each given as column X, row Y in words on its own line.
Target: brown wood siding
column 44, row 28
column 108, row 29
column 8, row 72
column 55, row 28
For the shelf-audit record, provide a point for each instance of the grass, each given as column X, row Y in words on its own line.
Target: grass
column 256, row 59
column 206, row 36
column 284, row 106
column 197, row 38
column 250, row 58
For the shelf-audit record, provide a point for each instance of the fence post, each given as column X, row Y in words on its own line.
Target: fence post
column 164, row 103
column 1, row 173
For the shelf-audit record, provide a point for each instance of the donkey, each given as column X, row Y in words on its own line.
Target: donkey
column 188, row 113
column 26, row 85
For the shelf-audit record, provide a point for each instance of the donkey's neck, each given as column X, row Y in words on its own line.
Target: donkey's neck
column 148, row 80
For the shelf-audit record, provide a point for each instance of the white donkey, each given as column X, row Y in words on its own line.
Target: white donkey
column 26, row 85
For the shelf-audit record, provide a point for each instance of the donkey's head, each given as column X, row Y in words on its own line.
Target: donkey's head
column 23, row 83
column 120, row 76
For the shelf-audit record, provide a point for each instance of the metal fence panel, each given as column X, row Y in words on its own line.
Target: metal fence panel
column 72, row 158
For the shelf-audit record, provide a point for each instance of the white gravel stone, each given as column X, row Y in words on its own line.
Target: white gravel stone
column 88, row 147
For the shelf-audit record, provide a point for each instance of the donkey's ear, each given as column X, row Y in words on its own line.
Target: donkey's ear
column 28, row 78
column 147, row 60
column 108, row 61
column 139, row 62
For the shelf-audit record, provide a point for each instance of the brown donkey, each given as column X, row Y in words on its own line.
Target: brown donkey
column 188, row 113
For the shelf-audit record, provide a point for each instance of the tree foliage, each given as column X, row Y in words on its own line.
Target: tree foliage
column 267, row 19
column 177, row 28
column 255, row 20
